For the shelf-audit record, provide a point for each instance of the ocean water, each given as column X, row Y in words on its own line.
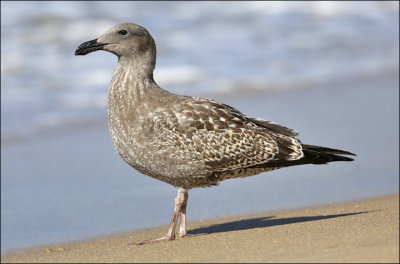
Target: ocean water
column 327, row 69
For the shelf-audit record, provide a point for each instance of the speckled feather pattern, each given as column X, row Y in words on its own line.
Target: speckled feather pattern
column 188, row 141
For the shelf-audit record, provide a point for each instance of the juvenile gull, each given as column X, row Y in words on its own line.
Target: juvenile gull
column 187, row 141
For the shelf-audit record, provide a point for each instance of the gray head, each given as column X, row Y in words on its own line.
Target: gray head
column 128, row 41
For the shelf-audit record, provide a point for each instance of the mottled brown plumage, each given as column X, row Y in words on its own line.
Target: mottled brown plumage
column 188, row 141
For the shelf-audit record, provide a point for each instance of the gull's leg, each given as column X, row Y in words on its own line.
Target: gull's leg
column 180, row 201
column 182, row 216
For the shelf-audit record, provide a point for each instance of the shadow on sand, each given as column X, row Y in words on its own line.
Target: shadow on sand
column 261, row 222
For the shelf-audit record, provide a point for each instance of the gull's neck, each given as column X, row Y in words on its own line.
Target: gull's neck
column 141, row 67
column 133, row 87
column 132, row 76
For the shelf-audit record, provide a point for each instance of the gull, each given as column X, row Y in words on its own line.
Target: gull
column 186, row 141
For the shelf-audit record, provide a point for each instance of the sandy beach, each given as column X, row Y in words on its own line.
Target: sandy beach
column 358, row 231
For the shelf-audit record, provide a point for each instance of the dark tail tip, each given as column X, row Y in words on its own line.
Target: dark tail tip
column 323, row 155
column 326, row 150
column 340, row 158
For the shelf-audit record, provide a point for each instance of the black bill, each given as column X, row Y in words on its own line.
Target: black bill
column 88, row 47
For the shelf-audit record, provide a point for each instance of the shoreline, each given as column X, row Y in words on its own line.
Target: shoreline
column 357, row 231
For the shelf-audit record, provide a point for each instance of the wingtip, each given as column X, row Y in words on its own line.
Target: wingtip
column 349, row 153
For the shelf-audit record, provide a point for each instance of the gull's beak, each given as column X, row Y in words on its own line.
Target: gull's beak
column 89, row 46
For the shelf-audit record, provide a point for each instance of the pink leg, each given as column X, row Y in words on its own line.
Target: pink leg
column 182, row 215
column 179, row 210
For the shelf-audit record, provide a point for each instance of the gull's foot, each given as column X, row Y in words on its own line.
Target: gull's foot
column 182, row 233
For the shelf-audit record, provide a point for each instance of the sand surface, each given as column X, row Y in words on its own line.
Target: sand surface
column 359, row 231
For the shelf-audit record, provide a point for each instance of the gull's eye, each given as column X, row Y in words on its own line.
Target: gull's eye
column 123, row 32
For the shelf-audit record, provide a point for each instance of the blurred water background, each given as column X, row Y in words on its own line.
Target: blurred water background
column 327, row 69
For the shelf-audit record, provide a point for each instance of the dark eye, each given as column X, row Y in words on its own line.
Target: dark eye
column 123, row 32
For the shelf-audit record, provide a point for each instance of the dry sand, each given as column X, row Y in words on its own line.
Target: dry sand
column 359, row 231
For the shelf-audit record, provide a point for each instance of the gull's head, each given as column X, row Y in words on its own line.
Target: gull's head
column 126, row 40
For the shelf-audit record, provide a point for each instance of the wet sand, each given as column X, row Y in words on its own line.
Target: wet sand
column 358, row 231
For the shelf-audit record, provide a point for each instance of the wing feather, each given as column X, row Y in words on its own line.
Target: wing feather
column 274, row 127
column 224, row 138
